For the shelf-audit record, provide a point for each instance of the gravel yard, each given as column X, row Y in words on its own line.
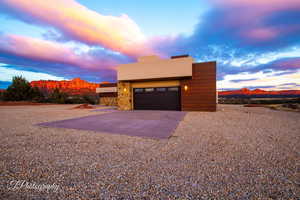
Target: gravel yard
column 235, row 153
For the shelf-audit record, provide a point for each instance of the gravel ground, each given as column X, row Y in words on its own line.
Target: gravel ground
column 235, row 153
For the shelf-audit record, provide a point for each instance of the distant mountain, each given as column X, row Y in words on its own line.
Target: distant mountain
column 74, row 87
column 258, row 93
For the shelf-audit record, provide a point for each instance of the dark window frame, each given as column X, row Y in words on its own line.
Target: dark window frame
column 151, row 89
column 161, row 89
column 139, row 90
column 173, row 89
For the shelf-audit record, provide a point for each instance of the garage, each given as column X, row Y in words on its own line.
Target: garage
column 159, row 98
column 176, row 83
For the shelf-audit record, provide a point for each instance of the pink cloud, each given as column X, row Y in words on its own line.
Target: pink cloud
column 248, row 17
column 265, row 4
column 262, row 34
column 293, row 64
column 79, row 23
column 37, row 49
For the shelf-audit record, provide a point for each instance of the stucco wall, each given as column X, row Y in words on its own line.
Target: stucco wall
column 152, row 67
column 124, row 96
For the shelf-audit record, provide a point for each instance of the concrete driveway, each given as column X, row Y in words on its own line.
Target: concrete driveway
column 153, row 124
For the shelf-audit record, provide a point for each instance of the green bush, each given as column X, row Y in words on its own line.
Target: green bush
column 37, row 95
column 1, row 95
column 79, row 99
column 90, row 99
column 58, row 97
column 19, row 90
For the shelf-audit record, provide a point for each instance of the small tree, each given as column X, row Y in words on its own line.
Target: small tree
column 37, row 95
column 90, row 99
column 58, row 97
column 1, row 95
column 19, row 90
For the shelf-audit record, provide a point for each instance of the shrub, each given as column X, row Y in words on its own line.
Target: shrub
column 75, row 100
column 58, row 97
column 19, row 90
column 1, row 95
column 80, row 99
column 90, row 99
column 37, row 95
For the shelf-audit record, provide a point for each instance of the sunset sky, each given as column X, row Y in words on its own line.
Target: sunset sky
column 256, row 43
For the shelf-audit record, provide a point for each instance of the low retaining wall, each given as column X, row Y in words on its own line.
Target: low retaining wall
column 108, row 101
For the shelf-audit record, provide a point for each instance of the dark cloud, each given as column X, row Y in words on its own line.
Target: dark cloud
column 260, row 87
column 243, row 80
column 237, row 30
column 288, row 65
column 290, row 84
column 249, row 87
column 57, row 69
column 95, row 64
column 280, row 67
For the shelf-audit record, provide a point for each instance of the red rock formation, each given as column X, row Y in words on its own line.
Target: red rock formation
column 247, row 92
column 75, row 86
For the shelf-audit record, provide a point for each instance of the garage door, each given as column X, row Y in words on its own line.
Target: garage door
column 161, row 98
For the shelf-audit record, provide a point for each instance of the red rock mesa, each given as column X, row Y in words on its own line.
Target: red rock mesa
column 75, row 86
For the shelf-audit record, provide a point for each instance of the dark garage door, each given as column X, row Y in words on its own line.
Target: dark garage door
column 162, row 98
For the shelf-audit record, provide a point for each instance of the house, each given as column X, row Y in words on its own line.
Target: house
column 178, row 83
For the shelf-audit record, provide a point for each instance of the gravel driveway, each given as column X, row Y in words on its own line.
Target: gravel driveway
column 235, row 153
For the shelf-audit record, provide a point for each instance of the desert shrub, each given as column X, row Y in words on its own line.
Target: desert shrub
column 76, row 99
column 19, row 90
column 1, row 95
column 37, row 95
column 291, row 106
column 58, row 97
column 90, row 99
column 80, row 99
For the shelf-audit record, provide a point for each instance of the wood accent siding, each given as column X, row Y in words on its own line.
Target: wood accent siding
column 108, row 94
column 201, row 92
column 146, row 84
column 108, row 84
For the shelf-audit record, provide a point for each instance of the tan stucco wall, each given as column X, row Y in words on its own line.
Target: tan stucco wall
column 152, row 67
column 124, row 97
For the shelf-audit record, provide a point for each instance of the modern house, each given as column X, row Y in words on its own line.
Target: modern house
column 153, row 83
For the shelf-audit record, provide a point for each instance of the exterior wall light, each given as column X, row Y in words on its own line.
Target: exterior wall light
column 124, row 89
column 186, row 88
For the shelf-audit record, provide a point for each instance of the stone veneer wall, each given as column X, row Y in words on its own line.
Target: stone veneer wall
column 124, row 96
column 108, row 101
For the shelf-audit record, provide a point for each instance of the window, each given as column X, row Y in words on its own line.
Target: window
column 138, row 90
column 149, row 89
column 174, row 89
column 161, row 89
